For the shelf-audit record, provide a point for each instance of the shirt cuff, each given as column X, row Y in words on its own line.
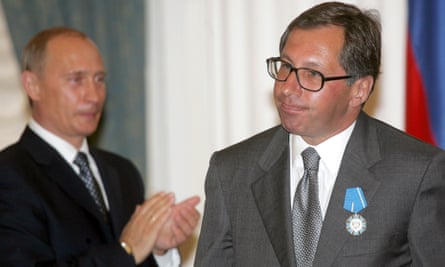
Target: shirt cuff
column 169, row 259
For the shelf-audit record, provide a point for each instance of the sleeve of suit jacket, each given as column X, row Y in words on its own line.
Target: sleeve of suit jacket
column 426, row 232
column 215, row 241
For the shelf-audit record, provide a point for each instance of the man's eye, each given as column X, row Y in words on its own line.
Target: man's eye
column 75, row 79
column 100, row 79
column 286, row 66
column 310, row 73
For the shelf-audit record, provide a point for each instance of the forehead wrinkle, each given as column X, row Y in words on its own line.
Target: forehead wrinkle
column 305, row 64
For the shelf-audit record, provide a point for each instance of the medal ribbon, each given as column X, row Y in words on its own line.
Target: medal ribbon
column 355, row 200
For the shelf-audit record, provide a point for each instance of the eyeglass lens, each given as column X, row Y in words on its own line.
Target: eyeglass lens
column 307, row 78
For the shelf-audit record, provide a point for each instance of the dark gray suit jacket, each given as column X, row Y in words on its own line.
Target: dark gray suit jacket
column 247, row 219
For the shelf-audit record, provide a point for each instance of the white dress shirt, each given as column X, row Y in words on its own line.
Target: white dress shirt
column 69, row 152
column 330, row 152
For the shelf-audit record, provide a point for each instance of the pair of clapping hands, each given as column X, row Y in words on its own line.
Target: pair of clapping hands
column 159, row 224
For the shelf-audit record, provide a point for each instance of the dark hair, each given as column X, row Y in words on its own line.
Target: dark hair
column 33, row 57
column 361, row 52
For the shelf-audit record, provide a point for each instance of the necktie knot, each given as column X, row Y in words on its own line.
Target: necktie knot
column 310, row 159
column 81, row 161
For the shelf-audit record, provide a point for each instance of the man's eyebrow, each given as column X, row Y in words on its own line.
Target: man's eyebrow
column 76, row 72
column 84, row 73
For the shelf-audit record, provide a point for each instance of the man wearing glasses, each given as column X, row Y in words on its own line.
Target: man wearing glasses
column 330, row 186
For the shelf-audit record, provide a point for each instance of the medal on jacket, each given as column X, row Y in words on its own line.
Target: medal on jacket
column 355, row 201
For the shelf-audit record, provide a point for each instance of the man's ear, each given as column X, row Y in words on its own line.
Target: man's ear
column 361, row 89
column 31, row 85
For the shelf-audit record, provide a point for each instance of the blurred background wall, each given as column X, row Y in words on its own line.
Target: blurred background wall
column 186, row 77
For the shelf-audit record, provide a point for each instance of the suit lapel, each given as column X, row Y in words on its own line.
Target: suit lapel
column 361, row 153
column 114, row 195
column 61, row 173
column 271, row 193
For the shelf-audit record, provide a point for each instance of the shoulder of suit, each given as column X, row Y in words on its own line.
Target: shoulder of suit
column 392, row 137
column 256, row 143
column 108, row 156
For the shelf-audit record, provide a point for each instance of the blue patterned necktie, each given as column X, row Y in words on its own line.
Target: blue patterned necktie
column 90, row 183
column 306, row 212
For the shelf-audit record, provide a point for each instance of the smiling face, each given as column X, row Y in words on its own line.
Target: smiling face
column 316, row 116
column 68, row 94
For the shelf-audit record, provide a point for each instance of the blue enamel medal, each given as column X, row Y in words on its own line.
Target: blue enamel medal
column 355, row 201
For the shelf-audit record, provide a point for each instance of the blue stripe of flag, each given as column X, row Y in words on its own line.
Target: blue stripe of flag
column 427, row 33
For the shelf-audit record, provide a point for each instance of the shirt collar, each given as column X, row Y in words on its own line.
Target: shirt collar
column 330, row 151
column 65, row 149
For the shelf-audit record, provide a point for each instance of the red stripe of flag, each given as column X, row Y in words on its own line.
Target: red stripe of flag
column 417, row 120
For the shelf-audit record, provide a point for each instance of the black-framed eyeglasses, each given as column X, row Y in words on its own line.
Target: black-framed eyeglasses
column 307, row 78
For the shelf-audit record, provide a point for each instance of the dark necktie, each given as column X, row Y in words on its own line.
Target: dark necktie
column 306, row 212
column 90, row 183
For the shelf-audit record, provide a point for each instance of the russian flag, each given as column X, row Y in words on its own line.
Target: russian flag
column 425, row 77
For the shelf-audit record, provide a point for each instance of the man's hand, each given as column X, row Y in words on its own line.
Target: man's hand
column 143, row 229
column 179, row 226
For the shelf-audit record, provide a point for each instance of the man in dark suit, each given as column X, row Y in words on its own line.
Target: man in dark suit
column 60, row 207
column 370, row 194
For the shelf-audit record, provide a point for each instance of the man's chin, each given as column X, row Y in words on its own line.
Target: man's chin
column 293, row 127
column 88, row 130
